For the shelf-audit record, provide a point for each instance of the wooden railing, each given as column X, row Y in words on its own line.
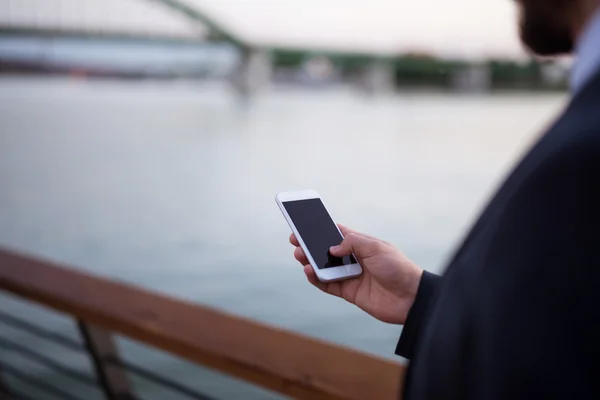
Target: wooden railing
column 285, row 362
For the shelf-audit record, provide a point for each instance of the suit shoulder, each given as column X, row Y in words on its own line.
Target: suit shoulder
column 580, row 124
column 574, row 141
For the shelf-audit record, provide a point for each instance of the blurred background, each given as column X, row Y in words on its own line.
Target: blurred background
column 145, row 140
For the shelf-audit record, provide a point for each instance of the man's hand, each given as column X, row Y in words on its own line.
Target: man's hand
column 387, row 288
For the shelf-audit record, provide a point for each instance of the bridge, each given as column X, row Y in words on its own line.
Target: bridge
column 168, row 23
column 118, row 19
column 208, row 46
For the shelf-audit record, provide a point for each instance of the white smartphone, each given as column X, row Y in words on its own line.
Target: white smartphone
column 316, row 232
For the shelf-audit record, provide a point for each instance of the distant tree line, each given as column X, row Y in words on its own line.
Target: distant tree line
column 423, row 70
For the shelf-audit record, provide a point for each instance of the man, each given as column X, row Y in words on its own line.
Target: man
column 517, row 313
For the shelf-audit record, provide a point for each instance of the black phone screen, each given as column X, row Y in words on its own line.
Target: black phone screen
column 317, row 230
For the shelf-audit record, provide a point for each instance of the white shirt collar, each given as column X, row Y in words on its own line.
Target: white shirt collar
column 587, row 54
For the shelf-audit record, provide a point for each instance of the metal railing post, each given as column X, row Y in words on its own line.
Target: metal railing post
column 101, row 347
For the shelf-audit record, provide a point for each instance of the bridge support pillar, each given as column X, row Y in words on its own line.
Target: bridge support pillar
column 378, row 77
column 253, row 71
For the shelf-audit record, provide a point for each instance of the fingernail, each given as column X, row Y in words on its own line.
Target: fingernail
column 334, row 248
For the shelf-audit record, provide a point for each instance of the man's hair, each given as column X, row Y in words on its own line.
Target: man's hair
column 546, row 26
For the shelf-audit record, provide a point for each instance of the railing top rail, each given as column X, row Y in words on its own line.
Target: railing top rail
column 283, row 361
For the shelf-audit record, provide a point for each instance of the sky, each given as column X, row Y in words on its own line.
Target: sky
column 455, row 27
column 459, row 28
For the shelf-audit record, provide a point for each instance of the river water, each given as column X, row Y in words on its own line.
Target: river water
column 171, row 186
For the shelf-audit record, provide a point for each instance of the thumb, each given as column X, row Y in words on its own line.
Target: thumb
column 352, row 243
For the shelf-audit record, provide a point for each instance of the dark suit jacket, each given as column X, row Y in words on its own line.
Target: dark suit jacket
column 517, row 313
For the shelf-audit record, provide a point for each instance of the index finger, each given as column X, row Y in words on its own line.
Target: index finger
column 294, row 241
column 345, row 230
